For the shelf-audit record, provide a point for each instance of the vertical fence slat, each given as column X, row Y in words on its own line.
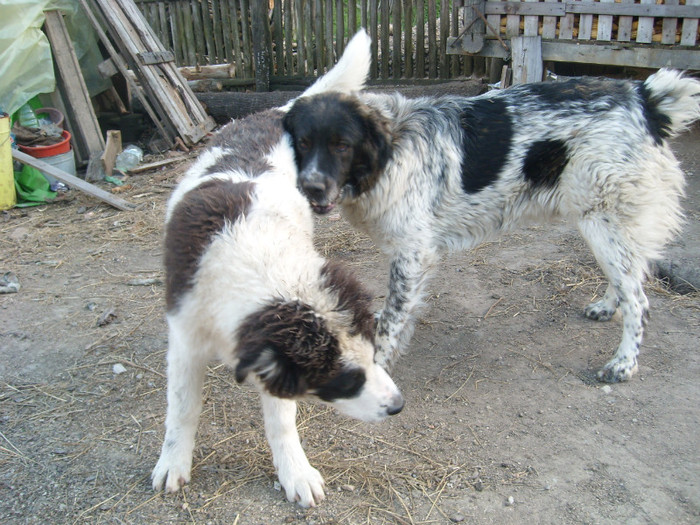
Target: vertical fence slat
column 247, row 37
column 218, row 34
column 689, row 31
column 668, row 28
column 288, row 29
column 396, row 39
column 352, row 17
column 432, row 39
column 408, row 38
column 605, row 26
column 328, row 33
column 420, row 39
column 318, row 32
column 305, row 42
column 236, row 51
column 339, row 28
column 384, row 39
column 444, row 31
column 624, row 26
column 549, row 25
column 645, row 26
column 374, row 37
column 277, row 37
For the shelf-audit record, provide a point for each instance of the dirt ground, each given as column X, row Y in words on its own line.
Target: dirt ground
column 504, row 421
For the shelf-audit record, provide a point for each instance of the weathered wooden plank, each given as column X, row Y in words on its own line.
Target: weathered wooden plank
column 668, row 28
column 566, row 27
column 420, row 38
column 396, row 43
column 408, row 38
column 624, row 26
column 621, row 55
column 288, row 39
column 318, row 31
column 227, row 33
column 669, row 10
column 278, row 37
column 208, row 27
column 328, row 37
column 83, row 119
column 689, row 31
column 339, row 28
column 604, row 33
column 261, row 45
column 384, row 38
column 645, row 26
column 444, row 33
column 352, row 17
column 527, row 59
column 530, row 23
column 73, row 181
column 218, row 32
column 652, row 56
column 432, row 40
column 585, row 26
column 165, row 128
column 198, row 29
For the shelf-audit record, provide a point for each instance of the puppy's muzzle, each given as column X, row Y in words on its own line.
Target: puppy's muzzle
column 395, row 406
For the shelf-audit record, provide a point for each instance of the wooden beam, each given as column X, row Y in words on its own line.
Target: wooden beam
column 623, row 54
column 593, row 8
column 73, row 181
column 262, row 44
column 83, row 119
column 527, row 59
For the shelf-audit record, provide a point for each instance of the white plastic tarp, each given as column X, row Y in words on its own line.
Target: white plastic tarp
column 26, row 66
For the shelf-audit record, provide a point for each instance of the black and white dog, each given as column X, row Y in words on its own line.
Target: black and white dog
column 245, row 286
column 424, row 175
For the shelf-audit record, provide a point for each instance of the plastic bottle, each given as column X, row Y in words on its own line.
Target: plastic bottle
column 128, row 159
column 27, row 117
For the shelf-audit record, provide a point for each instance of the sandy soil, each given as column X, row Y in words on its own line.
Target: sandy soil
column 504, row 422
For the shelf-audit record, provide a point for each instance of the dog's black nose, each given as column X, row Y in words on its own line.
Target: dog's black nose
column 396, row 405
column 315, row 191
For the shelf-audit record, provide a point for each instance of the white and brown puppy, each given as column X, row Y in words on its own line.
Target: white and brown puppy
column 246, row 287
column 425, row 175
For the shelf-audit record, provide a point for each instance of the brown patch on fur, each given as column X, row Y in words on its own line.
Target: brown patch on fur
column 196, row 219
column 289, row 347
column 351, row 297
column 246, row 142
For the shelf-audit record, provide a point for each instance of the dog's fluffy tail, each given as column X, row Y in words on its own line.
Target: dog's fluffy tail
column 676, row 97
column 349, row 74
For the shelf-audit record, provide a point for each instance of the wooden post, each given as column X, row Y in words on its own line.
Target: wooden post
column 527, row 59
column 262, row 45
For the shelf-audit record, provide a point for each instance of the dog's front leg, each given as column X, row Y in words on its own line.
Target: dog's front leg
column 185, row 379
column 409, row 273
column 302, row 483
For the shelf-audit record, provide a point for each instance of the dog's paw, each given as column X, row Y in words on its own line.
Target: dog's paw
column 171, row 473
column 304, row 485
column 618, row 370
column 599, row 311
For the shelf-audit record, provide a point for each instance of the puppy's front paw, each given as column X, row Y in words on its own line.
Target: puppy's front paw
column 617, row 370
column 174, row 473
column 304, row 485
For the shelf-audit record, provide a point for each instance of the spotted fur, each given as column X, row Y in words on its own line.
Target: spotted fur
column 450, row 172
column 246, row 287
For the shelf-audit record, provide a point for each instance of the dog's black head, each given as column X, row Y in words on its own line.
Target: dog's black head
column 341, row 147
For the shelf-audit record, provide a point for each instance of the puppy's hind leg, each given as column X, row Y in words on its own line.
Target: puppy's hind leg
column 301, row 482
column 625, row 272
column 185, row 378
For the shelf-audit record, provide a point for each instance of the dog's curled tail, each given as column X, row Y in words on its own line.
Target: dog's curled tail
column 675, row 98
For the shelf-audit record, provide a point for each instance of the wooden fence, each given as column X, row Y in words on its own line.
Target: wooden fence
column 409, row 37
column 650, row 33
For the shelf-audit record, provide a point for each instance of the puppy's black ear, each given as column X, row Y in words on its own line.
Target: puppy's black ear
column 288, row 347
column 375, row 150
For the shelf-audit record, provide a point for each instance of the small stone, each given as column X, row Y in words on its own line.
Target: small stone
column 457, row 518
column 348, row 488
column 118, row 368
column 510, row 501
column 606, row 389
column 277, row 485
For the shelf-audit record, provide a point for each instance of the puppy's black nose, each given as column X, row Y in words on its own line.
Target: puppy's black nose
column 396, row 405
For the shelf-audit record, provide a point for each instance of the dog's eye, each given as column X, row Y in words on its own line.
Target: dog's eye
column 341, row 147
column 304, row 144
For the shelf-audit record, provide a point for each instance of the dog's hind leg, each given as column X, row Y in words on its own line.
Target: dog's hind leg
column 185, row 379
column 301, row 482
column 625, row 272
